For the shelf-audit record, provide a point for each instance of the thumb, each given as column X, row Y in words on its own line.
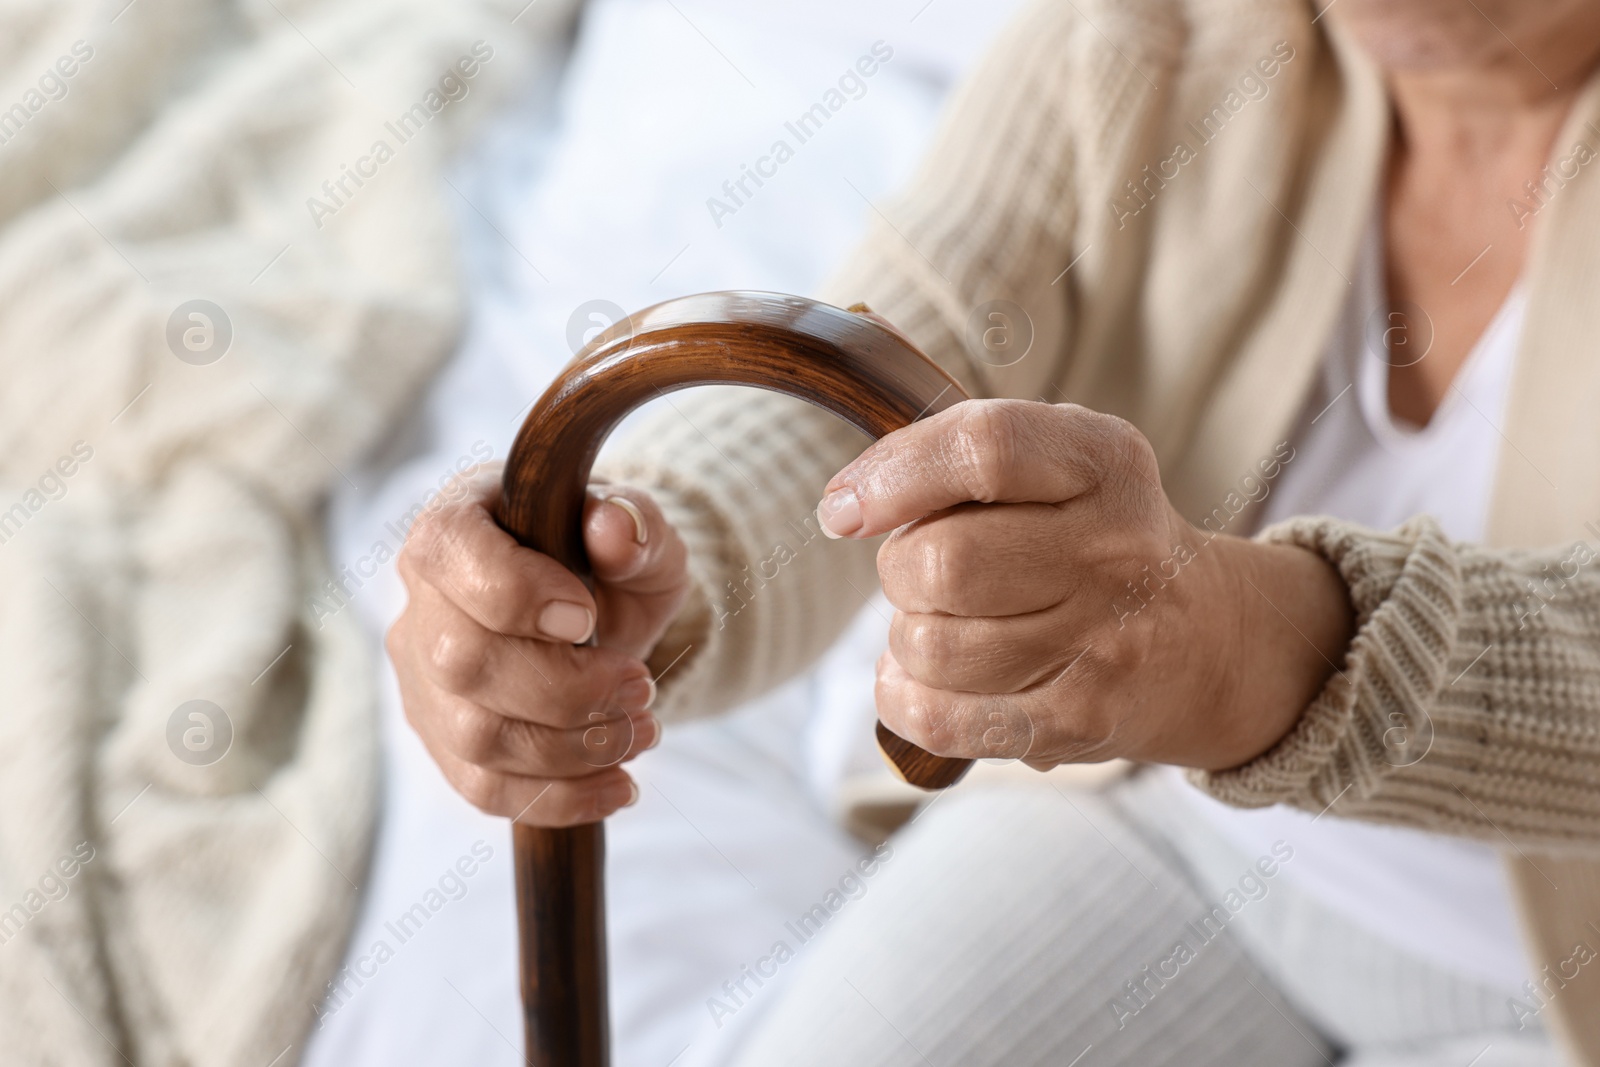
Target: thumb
column 632, row 548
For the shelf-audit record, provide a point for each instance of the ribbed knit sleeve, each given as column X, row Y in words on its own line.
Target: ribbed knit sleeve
column 740, row 471
column 1468, row 702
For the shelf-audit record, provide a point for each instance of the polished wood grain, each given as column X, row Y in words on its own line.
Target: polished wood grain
column 839, row 360
column 561, row 921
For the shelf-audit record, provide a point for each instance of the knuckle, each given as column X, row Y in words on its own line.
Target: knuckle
column 986, row 437
column 476, row 734
column 1081, row 737
column 1121, row 442
column 426, row 546
column 938, row 571
column 1125, row 652
column 457, row 656
column 1118, row 429
column 1004, row 729
column 925, row 725
column 602, row 742
column 588, row 805
column 895, row 565
column 480, row 788
column 501, row 597
column 926, row 643
column 394, row 641
column 927, row 565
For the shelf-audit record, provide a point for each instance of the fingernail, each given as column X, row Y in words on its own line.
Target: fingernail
column 622, row 795
column 645, row 725
column 637, row 694
column 840, row 513
column 640, row 533
column 562, row 620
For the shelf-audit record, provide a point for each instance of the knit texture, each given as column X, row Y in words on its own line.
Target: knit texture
column 169, row 895
column 1468, row 702
column 1170, row 197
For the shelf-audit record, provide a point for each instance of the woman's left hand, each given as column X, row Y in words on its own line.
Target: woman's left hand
column 1054, row 607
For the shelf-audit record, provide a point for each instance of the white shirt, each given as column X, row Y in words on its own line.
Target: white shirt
column 1443, row 899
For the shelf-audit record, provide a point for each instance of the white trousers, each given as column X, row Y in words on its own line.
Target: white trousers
column 1002, row 927
column 1025, row 926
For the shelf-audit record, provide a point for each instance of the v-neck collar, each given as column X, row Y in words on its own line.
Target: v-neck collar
column 1257, row 404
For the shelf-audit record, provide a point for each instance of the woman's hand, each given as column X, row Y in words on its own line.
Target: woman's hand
column 1054, row 607
column 523, row 719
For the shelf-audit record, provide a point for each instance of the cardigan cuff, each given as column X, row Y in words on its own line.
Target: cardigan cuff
column 1371, row 719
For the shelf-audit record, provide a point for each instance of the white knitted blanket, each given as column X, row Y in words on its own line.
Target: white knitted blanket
column 187, row 761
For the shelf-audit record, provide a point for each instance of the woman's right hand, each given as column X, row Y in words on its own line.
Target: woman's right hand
column 522, row 718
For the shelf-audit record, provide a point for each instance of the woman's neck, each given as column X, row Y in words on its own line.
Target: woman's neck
column 1492, row 112
column 1480, row 93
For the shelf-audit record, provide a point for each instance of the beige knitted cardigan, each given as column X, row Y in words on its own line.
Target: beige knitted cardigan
column 1192, row 292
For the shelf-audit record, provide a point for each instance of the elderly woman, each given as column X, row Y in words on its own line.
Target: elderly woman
column 1212, row 267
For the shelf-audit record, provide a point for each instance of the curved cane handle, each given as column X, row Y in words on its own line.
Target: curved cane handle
column 856, row 368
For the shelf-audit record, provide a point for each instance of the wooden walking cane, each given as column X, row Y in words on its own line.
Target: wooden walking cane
column 839, row 360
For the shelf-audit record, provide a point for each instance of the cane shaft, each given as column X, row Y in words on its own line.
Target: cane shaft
column 858, row 369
